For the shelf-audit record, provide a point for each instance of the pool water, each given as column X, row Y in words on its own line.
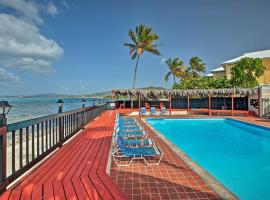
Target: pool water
column 237, row 154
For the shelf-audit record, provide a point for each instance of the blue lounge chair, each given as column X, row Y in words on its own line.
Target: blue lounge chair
column 128, row 120
column 153, row 111
column 131, row 134
column 136, row 153
column 128, row 126
column 143, row 111
column 138, row 142
column 134, row 142
column 131, row 127
column 163, row 111
column 127, row 123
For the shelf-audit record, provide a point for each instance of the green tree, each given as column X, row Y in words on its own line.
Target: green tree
column 196, row 66
column 203, row 83
column 142, row 40
column 177, row 69
column 221, row 82
column 246, row 71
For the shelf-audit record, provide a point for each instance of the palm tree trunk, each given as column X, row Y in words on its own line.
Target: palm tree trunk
column 135, row 73
column 174, row 78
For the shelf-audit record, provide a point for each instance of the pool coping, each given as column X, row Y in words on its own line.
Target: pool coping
column 218, row 187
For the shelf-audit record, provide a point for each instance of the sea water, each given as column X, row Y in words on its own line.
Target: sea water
column 29, row 108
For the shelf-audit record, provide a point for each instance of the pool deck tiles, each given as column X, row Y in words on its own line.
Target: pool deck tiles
column 171, row 179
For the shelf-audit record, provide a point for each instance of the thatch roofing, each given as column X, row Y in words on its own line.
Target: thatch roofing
column 191, row 92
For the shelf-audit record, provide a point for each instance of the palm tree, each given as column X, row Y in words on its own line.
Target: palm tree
column 142, row 40
column 177, row 69
column 196, row 66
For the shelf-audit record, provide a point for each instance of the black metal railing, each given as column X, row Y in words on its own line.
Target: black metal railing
column 25, row 143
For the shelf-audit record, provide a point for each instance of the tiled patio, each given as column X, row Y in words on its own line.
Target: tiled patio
column 171, row 179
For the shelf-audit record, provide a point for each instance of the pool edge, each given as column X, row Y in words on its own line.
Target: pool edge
column 218, row 187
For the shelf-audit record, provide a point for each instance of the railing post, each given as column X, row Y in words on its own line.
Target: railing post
column 259, row 101
column 170, row 104
column 61, row 131
column 3, row 152
column 83, row 118
column 209, row 104
column 232, row 104
column 61, row 125
column 188, row 103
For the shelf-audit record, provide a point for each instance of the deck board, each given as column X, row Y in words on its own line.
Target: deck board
column 76, row 171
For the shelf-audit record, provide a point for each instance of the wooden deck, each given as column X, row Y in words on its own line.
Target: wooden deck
column 75, row 171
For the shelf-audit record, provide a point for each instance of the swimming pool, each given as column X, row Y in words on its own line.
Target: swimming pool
column 236, row 153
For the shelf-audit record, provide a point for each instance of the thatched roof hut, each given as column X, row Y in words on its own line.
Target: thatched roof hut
column 182, row 93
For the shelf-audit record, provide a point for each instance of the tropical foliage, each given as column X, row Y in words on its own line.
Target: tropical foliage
column 142, row 40
column 183, row 73
column 196, row 66
column 177, row 69
column 246, row 71
column 244, row 75
column 203, row 83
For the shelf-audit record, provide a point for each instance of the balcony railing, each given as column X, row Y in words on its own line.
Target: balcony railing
column 25, row 143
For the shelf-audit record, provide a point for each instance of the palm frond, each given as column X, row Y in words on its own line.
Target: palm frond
column 166, row 78
column 153, row 51
column 129, row 45
column 133, row 36
column 134, row 55
column 142, row 40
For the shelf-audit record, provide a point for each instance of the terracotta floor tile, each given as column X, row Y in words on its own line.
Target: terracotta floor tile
column 172, row 179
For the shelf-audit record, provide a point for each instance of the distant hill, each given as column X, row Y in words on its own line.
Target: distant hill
column 100, row 94
column 47, row 95
column 106, row 94
column 153, row 88
column 109, row 93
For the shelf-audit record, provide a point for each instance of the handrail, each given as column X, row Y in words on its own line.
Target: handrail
column 29, row 122
column 25, row 143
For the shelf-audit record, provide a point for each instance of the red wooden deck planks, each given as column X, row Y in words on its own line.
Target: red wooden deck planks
column 75, row 171
column 40, row 173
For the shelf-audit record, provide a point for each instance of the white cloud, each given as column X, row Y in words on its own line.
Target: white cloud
column 9, row 79
column 29, row 9
column 24, row 47
column 20, row 38
column 34, row 65
column 52, row 10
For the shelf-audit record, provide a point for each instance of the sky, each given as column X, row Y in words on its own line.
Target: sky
column 76, row 46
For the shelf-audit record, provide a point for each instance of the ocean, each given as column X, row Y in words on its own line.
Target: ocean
column 29, row 108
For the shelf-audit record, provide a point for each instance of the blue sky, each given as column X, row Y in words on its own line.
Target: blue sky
column 76, row 47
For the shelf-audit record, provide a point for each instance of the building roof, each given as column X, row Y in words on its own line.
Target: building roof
column 256, row 54
column 209, row 75
column 192, row 92
column 220, row 69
